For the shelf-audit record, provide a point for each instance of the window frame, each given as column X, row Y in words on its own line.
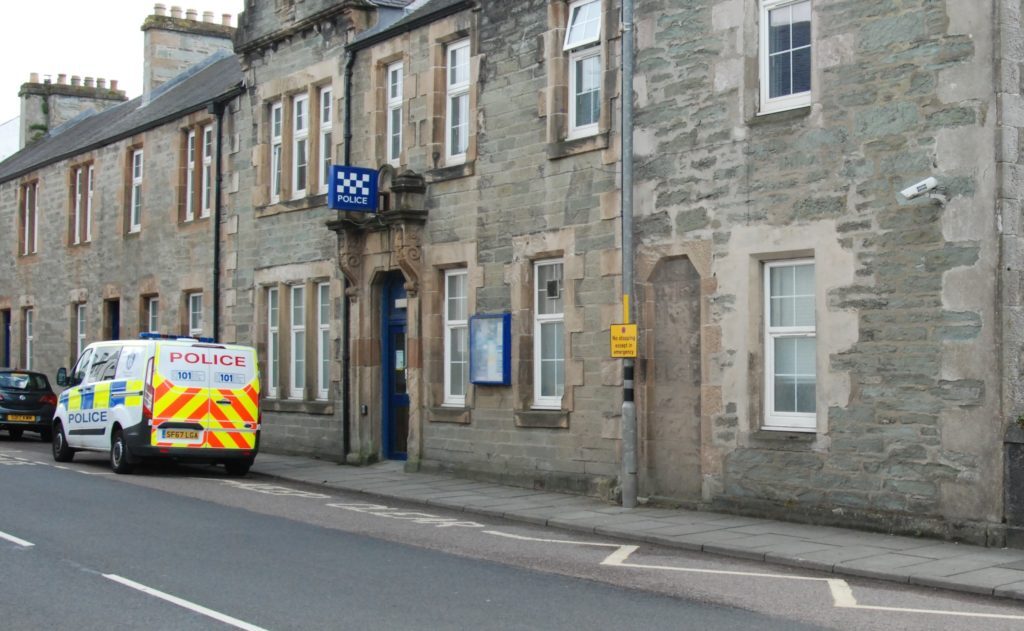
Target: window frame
column 326, row 154
column 76, row 211
column 456, row 90
column 785, row 421
column 395, row 100
column 90, row 188
column 206, row 192
column 80, row 328
column 323, row 346
column 195, row 316
column 30, row 218
column 190, row 169
column 769, row 105
column 276, row 150
column 273, row 341
column 28, row 323
column 297, row 330
column 450, row 326
column 135, row 209
column 540, row 401
column 300, row 137
column 153, row 314
column 580, row 52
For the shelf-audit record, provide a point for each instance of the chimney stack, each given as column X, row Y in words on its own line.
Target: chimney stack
column 173, row 45
column 46, row 106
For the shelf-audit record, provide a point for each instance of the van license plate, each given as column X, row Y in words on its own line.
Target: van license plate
column 20, row 417
column 181, row 434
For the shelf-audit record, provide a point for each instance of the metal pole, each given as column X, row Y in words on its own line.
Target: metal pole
column 629, row 439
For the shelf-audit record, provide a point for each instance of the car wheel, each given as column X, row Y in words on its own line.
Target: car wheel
column 237, row 467
column 61, row 451
column 15, row 433
column 120, row 458
column 45, row 435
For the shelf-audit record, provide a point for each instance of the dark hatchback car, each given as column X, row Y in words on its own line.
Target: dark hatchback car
column 27, row 402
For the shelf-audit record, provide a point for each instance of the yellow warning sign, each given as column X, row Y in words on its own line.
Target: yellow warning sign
column 623, row 340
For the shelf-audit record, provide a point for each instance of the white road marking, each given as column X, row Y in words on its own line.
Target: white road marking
column 273, row 489
column 16, row 540
column 427, row 519
column 210, row 613
column 842, row 593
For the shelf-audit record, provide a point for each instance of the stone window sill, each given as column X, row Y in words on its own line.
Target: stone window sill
column 780, row 116
column 772, row 439
column 460, row 416
column 292, row 205
column 542, row 419
column 466, row 169
column 576, row 146
column 301, row 407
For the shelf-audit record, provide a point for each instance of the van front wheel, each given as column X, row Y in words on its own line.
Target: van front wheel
column 61, row 451
column 120, row 458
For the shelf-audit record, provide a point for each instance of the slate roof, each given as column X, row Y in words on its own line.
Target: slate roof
column 434, row 9
column 217, row 76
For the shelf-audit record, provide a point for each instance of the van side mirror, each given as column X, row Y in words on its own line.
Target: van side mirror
column 62, row 377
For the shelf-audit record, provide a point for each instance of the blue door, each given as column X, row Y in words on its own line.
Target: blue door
column 5, row 322
column 114, row 317
column 395, row 422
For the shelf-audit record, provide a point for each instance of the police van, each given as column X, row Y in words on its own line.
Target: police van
column 161, row 396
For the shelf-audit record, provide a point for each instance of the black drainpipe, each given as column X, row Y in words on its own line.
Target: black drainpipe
column 346, row 356
column 217, row 108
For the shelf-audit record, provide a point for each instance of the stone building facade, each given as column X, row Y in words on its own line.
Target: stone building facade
column 813, row 344
column 741, row 193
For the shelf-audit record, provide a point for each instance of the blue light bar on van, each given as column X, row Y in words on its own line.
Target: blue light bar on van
column 153, row 335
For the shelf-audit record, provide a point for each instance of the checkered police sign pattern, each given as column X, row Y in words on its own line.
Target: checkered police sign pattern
column 353, row 188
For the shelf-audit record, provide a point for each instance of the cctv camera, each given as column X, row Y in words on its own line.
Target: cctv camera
column 921, row 187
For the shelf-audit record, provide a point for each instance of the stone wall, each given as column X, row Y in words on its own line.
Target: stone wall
column 908, row 424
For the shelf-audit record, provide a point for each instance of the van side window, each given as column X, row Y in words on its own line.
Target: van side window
column 111, row 366
column 78, row 372
column 131, row 364
column 105, row 356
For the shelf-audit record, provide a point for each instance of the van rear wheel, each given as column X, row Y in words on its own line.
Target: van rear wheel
column 120, row 458
column 238, row 467
column 61, row 451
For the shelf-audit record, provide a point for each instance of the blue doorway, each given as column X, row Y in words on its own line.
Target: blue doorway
column 395, row 413
column 5, row 340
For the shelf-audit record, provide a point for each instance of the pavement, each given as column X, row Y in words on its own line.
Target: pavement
column 908, row 560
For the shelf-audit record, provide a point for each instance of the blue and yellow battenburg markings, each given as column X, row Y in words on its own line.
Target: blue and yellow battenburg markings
column 106, row 394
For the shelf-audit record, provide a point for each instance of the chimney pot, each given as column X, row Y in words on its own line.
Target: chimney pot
column 190, row 14
column 176, row 12
column 208, row 16
column 88, row 82
column 225, row 19
column 159, row 9
column 33, row 77
column 76, row 80
column 62, row 79
column 101, row 83
column 113, row 84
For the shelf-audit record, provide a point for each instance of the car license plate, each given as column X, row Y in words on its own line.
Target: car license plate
column 181, row 434
column 21, row 417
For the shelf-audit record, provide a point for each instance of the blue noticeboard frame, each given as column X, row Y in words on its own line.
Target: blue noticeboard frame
column 490, row 349
column 353, row 188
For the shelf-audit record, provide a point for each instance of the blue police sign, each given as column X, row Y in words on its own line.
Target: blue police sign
column 353, row 188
